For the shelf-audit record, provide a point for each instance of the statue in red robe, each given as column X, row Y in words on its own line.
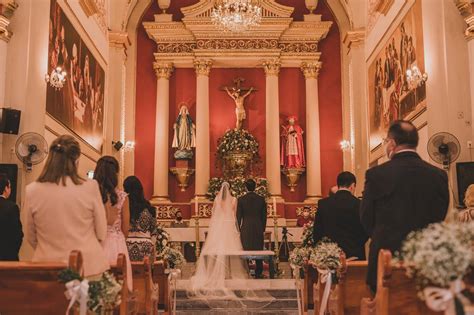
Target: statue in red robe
column 292, row 147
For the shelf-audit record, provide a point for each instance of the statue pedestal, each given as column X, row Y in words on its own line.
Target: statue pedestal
column 182, row 172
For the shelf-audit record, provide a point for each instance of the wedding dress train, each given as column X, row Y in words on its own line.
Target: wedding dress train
column 221, row 273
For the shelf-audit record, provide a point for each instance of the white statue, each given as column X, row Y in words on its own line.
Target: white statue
column 184, row 138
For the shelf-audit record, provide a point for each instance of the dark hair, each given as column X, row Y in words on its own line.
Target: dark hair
column 106, row 174
column 61, row 162
column 134, row 188
column 346, row 179
column 4, row 182
column 250, row 184
column 404, row 133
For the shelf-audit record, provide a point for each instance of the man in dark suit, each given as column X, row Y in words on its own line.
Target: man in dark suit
column 400, row 196
column 11, row 234
column 338, row 218
column 252, row 220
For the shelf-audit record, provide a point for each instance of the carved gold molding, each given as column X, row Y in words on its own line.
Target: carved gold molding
column 354, row 38
column 89, row 7
column 311, row 69
column 163, row 69
column 384, row 6
column 7, row 9
column 118, row 39
column 465, row 8
column 166, row 212
column 205, row 210
column 272, row 67
column 202, row 67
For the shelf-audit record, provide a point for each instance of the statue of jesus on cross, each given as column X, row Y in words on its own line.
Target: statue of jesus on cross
column 238, row 94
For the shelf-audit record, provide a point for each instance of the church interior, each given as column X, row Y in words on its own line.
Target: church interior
column 351, row 121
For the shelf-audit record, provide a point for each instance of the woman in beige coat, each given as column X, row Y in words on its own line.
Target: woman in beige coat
column 65, row 212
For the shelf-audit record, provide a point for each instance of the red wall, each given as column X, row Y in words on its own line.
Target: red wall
column 222, row 117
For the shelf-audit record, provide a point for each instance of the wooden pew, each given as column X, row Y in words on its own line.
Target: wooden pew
column 119, row 270
column 310, row 279
column 161, row 278
column 352, row 286
column 396, row 293
column 146, row 299
column 33, row 288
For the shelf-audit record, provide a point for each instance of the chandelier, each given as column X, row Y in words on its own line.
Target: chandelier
column 415, row 78
column 57, row 78
column 236, row 15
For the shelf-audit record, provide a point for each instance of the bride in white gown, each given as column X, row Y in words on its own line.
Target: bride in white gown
column 219, row 260
column 221, row 273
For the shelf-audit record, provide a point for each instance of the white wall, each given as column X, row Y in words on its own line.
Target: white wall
column 25, row 88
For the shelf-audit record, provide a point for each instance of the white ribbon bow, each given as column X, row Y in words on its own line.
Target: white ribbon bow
column 439, row 299
column 78, row 291
column 173, row 277
column 326, row 277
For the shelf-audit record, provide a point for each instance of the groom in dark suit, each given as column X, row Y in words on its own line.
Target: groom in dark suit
column 252, row 220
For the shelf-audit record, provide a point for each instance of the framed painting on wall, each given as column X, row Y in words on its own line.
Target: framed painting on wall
column 79, row 104
column 390, row 95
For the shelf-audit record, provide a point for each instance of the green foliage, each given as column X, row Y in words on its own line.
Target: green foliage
column 237, row 187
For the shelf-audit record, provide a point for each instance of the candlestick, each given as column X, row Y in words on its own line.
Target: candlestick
column 274, row 206
column 196, row 206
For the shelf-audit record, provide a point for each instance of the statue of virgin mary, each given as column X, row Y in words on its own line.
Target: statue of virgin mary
column 184, row 138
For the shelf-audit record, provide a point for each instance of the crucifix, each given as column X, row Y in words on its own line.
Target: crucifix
column 238, row 94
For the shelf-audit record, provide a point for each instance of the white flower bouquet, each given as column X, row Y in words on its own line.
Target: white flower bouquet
column 173, row 257
column 326, row 255
column 299, row 256
column 307, row 237
column 439, row 254
column 162, row 239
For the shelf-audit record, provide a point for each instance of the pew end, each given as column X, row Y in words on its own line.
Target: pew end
column 146, row 291
column 119, row 270
column 34, row 288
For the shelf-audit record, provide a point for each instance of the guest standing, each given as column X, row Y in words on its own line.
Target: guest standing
column 65, row 212
column 116, row 209
column 338, row 219
column 142, row 233
column 468, row 214
column 11, row 234
column 400, row 196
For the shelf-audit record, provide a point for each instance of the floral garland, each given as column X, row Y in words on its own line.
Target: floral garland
column 103, row 294
column 237, row 187
column 162, row 239
column 307, row 239
column 237, row 140
column 299, row 257
column 439, row 254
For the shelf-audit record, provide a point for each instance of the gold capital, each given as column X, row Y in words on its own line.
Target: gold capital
column 354, row 38
column 163, row 69
column 7, row 8
column 311, row 69
column 272, row 67
column 118, row 39
column 202, row 67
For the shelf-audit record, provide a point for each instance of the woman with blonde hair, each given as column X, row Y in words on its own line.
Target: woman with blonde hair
column 65, row 212
column 468, row 214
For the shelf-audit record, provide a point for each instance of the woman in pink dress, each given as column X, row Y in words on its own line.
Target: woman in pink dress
column 117, row 211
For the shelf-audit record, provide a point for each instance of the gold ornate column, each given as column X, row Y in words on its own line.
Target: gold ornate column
column 272, row 126
column 7, row 8
column 203, row 169
column 118, row 43
column 313, row 144
column 163, row 72
column 465, row 8
column 356, row 125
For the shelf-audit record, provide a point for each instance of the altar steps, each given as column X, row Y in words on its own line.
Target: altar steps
column 281, row 295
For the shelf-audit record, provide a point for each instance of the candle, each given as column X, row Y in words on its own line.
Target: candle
column 196, row 207
column 274, row 206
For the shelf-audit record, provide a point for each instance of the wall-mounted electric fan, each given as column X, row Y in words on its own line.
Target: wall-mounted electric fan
column 31, row 148
column 444, row 148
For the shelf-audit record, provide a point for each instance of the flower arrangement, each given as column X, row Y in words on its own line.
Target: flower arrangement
column 102, row 295
column 162, row 239
column 307, row 237
column 173, row 257
column 326, row 255
column 237, row 140
column 439, row 254
column 299, row 256
column 237, row 187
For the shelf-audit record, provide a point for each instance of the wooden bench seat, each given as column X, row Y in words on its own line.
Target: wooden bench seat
column 146, row 299
column 119, row 270
column 33, row 287
column 396, row 293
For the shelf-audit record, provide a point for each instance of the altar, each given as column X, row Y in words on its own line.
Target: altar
column 231, row 106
